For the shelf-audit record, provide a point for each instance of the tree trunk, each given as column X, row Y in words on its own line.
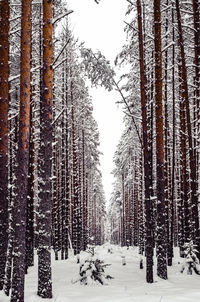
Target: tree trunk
column 192, row 161
column 146, row 153
column 45, row 206
column 30, row 201
column 161, row 240
column 17, row 294
column 172, row 234
column 4, row 105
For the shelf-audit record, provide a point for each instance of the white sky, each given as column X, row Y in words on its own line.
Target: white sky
column 101, row 27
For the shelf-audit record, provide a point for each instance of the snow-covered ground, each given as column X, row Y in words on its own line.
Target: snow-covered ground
column 128, row 284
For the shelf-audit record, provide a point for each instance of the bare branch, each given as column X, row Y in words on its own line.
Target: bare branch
column 127, row 106
column 56, row 59
column 62, row 16
column 130, row 2
column 57, row 117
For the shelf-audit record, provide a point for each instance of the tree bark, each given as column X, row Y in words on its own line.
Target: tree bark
column 4, row 105
column 192, row 161
column 45, row 206
column 161, row 240
column 17, row 294
column 146, row 153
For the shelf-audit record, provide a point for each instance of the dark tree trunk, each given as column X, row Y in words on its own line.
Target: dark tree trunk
column 146, row 153
column 18, row 272
column 76, row 201
column 12, row 182
column 192, row 161
column 45, row 206
column 67, row 173
column 30, row 197
column 161, row 228
column 63, row 171
column 4, row 105
column 172, row 234
column 196, row 18
column 84, row 195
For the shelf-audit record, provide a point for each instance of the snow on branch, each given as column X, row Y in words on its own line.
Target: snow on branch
column 61, row 16
column 56, row 59
column 98, row 68
column 100, row 73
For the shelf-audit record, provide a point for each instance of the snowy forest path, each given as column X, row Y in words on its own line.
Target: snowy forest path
column 128, row 284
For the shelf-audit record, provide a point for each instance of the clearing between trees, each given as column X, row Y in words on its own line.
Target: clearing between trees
column 128, row 283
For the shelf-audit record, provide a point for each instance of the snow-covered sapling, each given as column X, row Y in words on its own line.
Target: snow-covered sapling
column 93, row 271
column 191, row 259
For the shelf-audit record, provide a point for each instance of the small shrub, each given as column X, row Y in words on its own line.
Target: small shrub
column 191, row 260
column 93, row 271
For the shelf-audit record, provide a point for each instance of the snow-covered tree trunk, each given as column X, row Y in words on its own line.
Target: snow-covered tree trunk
column 4, row 105
column 146, row 153
column 45, row 204
column 161, row 227
column 192, row 161
column 20, row 202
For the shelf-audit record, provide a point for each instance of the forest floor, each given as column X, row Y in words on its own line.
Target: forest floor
column 128, row 285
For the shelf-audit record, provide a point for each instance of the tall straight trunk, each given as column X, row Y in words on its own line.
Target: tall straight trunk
column 184, row 173
column 54, row 190
column 86, row 208
column 30, row 200
column 181, row 171
column 192, row 161
column 174, row 138
column 40, row 92
column 146, row 153
column 196, row 18
column 161, row 241
column 167, row 168
column 123, row 238
column 84, row 194
column 150, row 123
column 29, row 260
column 17, row 294
column 7, row 277
column 13, row 139
column 4, row 105
column 63, row 171
column 45, row 206
column 67, row 173
column 135, row 204
column 80, row 193
column 141, row 208
column 76, row 201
